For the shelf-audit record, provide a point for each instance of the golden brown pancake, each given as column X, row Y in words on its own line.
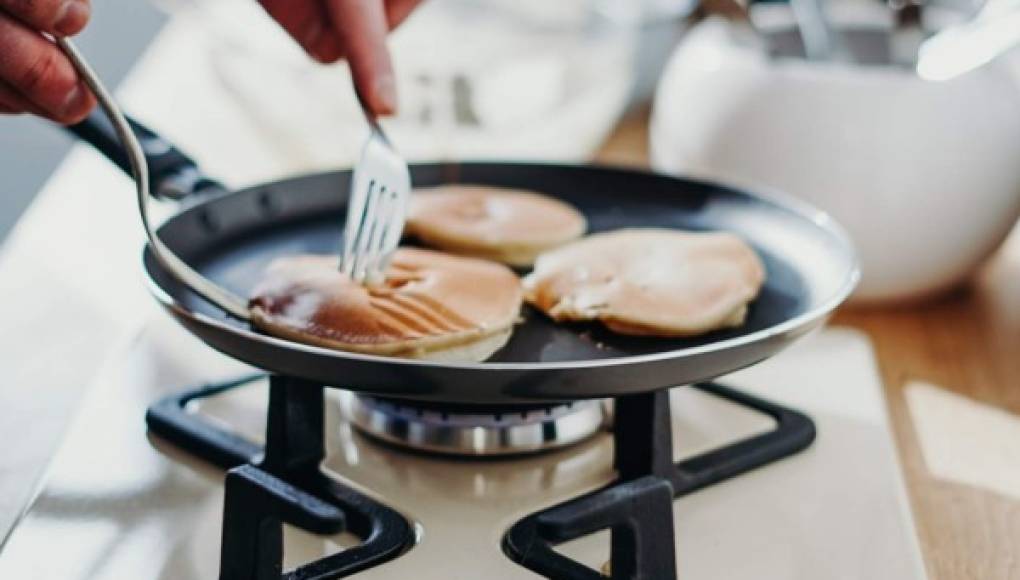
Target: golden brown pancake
column 507, row 225
column 432, row 305
column 649, row 281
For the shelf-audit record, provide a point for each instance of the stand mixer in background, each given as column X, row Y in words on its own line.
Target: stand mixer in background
column 922, row 172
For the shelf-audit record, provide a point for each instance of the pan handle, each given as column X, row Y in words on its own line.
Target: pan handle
column 172, row 174
column 139, row 169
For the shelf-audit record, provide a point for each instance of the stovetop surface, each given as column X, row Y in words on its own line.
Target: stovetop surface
column 117, row 504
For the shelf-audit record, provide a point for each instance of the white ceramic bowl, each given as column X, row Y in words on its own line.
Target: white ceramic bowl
column 924, row 175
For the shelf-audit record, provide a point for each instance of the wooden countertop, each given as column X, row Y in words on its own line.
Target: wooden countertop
column 967, row 343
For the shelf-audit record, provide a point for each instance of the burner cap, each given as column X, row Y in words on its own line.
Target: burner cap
column 474, row 430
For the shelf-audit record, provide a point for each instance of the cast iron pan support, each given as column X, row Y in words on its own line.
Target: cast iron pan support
column 637, row 507
column 279, row 483
column 283, row 484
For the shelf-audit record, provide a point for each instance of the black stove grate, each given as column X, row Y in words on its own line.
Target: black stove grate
column 637, row 507
column 266, row 487
column 282, row 483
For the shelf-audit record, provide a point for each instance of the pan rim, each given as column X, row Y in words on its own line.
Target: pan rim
column 774, row 196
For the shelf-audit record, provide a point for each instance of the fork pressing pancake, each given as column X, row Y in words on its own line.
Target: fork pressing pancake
column 432, row 305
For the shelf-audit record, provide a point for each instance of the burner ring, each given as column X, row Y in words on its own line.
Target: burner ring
column 474, row 430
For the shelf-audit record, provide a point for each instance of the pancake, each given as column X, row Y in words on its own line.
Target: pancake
column 431, row 305
column 652, row 282
column 506, row 225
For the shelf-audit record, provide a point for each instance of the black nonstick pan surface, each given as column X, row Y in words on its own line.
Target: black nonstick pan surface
column 231, row 236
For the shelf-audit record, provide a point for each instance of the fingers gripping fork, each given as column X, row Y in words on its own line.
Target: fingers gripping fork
column 380, row 188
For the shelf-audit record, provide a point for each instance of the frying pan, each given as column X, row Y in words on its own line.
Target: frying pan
column 228, row 237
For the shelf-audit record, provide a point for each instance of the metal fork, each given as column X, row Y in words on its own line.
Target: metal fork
column 377, row 207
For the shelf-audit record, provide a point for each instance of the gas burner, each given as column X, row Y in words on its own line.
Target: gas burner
column 474, row 430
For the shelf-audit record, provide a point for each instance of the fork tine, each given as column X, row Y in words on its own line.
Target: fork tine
column 368, row 226
column 393, row 229
column 374, row 252
column 355, row 218
column 360, row 223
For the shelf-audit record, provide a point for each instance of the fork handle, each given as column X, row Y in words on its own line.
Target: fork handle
column 172, row 174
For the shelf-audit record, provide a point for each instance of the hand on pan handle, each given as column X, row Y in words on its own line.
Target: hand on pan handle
column 35, row 76
column 353, row 29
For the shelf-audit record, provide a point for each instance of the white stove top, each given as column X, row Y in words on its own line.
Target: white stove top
column 113, row 506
